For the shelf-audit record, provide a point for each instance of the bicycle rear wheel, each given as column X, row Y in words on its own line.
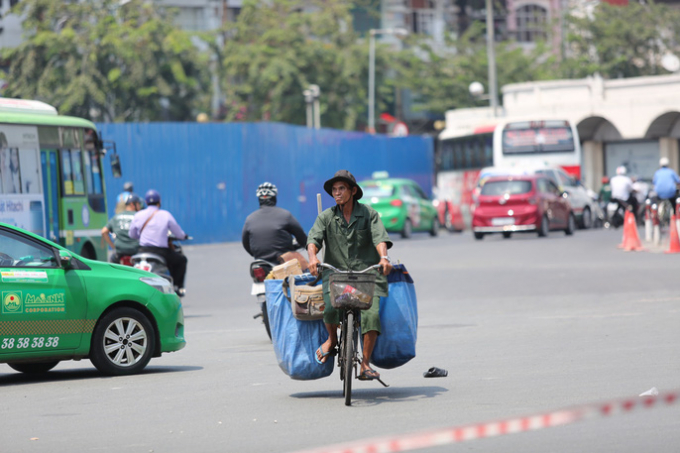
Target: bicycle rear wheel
column 348, row 357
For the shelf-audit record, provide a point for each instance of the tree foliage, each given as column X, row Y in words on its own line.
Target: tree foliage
column 120, row 63
column 442, row 79
column 621, row 41
column 277, row 48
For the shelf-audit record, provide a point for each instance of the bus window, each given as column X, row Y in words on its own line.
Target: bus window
column 30, row 173
column 93, row 176
column 88, row 172
column 66, row 173
column 77, row 168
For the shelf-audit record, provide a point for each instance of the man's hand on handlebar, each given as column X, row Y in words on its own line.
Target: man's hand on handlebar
column 386, row 266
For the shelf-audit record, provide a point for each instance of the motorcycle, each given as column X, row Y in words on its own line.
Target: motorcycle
column 156, row 264
column 259, row 269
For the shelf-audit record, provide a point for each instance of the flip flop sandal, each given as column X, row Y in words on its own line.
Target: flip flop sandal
column 368, row 375
column 435, row 372
column 323, row 354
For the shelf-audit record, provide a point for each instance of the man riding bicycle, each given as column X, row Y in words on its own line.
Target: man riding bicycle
column 666, row 182
column 355, row 239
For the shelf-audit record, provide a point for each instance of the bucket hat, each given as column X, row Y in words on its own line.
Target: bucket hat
column 345, row 176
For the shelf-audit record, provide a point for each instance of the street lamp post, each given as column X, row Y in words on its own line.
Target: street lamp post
column 491, row 55
column 312, row 94
column 399, row 32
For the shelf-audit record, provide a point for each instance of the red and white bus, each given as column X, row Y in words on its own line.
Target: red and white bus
column 501, row 143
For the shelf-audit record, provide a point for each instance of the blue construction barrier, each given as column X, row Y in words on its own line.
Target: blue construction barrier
column 207, row 173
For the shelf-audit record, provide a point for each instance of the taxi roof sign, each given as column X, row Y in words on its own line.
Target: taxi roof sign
column 10, row 105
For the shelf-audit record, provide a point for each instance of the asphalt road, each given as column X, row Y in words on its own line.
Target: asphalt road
column 523, row 326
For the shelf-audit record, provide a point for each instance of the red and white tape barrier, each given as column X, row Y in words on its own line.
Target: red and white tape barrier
column 445, row 436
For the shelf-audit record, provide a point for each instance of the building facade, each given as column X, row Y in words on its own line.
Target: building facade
column 631, row 122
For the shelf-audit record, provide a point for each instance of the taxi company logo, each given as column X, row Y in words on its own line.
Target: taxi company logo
column 11, row 302
column 42, row 300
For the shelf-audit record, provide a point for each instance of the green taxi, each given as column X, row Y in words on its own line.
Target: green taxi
column 401, row 203
column 56, row 305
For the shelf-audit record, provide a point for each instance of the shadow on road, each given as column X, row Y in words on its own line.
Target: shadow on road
column 17, row 378
column 379, row 395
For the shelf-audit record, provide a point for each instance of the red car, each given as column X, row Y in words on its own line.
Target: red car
column 509, row 204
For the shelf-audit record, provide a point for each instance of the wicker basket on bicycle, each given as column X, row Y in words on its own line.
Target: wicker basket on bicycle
column 352, row 290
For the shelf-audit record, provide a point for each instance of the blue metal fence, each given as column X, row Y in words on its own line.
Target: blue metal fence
column 207, row 174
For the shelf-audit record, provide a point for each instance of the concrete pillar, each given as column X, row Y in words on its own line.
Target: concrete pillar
column 593, row 164
column 668, row 147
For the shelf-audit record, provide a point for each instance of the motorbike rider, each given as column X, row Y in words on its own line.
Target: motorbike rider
column 267, row 232
column 604, row 196
column 151, row 227
column 666, row 182
column 119, row 225
column 622, row 190
column 128, row 189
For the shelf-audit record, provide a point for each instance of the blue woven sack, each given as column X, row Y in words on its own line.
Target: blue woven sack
column 396, row 344
column 295, row 342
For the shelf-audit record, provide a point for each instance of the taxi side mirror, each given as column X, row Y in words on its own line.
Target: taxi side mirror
column 65, row 259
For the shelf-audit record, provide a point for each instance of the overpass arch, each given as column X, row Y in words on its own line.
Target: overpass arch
column 665, row 125
column 594, row 131
column 597, row 128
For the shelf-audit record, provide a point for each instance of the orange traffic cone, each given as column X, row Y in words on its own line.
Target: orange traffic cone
column 674, row 246
column 631, row 239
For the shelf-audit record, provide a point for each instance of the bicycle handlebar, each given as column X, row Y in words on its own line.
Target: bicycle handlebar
column 333, row 268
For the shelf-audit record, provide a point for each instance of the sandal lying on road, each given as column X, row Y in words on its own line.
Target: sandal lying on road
column 435, row 372
column 369, row 375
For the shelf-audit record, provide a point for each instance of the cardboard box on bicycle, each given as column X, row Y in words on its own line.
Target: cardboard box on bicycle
column 291, row 267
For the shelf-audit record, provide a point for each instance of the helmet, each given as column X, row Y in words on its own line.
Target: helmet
column 266, row 190
column 133, row 198
column 605, row 179
column 127, row 187
column 152, row 197
column 664, row 162
column 621, row 170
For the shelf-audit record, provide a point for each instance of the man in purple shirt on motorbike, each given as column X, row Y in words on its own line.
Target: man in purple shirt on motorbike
column 151, row 227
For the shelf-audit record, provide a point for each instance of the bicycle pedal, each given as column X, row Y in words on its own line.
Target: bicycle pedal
column 380, row 380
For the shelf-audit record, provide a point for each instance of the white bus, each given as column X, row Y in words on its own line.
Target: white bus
column 462, row 152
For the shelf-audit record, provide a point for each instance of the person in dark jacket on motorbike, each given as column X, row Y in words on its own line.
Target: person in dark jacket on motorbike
column 119, row 225
column 267, row 233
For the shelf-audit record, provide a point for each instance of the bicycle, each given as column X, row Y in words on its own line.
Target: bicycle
column 351, row 292
column 664, row 213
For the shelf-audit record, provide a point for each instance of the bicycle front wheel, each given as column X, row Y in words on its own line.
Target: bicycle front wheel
column 348, row 357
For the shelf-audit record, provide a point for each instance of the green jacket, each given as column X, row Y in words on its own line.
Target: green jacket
column 350, row 246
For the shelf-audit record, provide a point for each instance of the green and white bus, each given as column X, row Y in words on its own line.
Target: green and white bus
column 51, row 178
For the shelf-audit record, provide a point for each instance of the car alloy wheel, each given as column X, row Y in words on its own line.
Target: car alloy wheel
column 408, row 229
column 586, row 219
column 435, row 227
column 448, row 223
column 544, row 228
column 123, row 342
column 571, row 225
